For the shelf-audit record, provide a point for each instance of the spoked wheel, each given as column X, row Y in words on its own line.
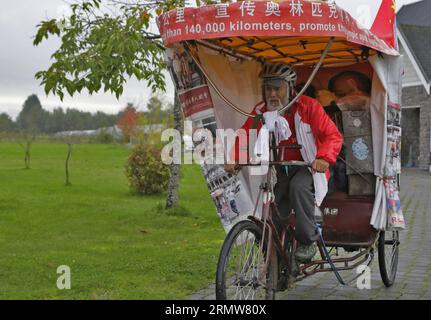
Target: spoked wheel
column 241, row 273
column 388, row 247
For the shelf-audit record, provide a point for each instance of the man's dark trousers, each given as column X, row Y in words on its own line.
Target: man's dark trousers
column 295, row 190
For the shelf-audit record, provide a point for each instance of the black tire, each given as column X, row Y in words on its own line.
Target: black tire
column 237, row 281
column 388, row 249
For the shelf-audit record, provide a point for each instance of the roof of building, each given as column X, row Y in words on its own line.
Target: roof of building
column 416, row 13
column 415, row 27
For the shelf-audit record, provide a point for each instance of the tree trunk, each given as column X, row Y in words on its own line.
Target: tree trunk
column 174, row 180
column 69, row 151
column 27, row 154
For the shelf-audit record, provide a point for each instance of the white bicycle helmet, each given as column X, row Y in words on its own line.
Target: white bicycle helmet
column 278, row 70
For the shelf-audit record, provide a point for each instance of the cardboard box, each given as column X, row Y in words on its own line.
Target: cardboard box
column 358, row 186
column 359, row 155
column 356, row 123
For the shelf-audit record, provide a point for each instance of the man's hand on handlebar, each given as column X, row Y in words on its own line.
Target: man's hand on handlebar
column 319, row 165
column 232, row 168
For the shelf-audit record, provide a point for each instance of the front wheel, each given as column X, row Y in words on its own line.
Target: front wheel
column 388, row 248
column 241, row 273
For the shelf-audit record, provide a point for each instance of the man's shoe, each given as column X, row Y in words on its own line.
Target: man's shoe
column 304, row 253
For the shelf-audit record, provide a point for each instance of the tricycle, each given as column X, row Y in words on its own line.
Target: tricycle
column 214, row 54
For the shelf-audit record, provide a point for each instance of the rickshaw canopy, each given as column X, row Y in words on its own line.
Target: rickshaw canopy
column 214, row 54
column 294, row 32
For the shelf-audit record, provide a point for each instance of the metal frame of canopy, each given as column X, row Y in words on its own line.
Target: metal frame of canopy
column 310, row 48
column 281, row 110
column 297, row 51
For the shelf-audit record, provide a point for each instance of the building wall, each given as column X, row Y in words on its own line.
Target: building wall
column 410, row 137
column 417, row 96
column 409, row 76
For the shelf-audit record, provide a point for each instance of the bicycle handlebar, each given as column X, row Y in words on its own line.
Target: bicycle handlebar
column 295, row 163
column 282, row 163
column 286, row 146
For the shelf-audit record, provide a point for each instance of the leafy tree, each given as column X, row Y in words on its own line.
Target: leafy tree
column 154, row 105
column 102, row 120
column 158, row 110
column 128, row 121
column 32, row 117
column 103, row 45
column 6, row 123
column 150, row 123
column 55, row 121
column 30, row 121
column 28, row 138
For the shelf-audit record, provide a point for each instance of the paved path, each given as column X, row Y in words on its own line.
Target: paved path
column 414, row 267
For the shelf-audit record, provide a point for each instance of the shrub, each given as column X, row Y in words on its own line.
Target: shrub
column 145, row 171
column 104, row 137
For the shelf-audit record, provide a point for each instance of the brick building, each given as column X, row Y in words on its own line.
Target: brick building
column 414, row 35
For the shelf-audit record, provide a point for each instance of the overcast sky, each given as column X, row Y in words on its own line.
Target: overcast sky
column 19, row 60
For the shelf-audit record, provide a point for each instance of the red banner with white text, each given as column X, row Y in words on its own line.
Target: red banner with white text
column 265, row 18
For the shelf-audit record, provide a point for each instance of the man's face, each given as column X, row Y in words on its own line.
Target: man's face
column 276, row 95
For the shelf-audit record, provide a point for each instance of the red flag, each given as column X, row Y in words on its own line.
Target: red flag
column 384, row 24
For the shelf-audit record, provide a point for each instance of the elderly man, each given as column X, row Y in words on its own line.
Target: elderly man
column 297, row 187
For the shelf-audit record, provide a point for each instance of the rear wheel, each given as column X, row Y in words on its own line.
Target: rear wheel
column 388, row 248
column 241, row 273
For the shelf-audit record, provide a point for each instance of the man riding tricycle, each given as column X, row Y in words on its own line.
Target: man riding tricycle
column 314, row 163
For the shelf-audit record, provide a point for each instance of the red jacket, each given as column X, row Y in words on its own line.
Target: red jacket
column 326, row 135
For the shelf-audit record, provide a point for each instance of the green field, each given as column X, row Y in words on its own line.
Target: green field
column 117, row 245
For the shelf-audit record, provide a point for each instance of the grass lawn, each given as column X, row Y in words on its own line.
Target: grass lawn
column 115, row 243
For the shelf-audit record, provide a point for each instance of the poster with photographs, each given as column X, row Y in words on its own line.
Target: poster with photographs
column 393, row 167
column 231, row 199
column 227, row 191
column 393, row 205
column 393, row 149
column 191, row 85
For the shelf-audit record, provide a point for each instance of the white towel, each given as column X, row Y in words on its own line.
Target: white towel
column 277, row 124
column 273, row 123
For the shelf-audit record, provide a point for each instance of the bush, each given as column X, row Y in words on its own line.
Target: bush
column 104, row 137
column 145, row 171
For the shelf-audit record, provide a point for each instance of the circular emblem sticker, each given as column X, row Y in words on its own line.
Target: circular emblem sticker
column 357, row 123
column 360, row 149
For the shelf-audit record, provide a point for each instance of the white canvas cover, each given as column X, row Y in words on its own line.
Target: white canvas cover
column 239, row 83
column 238, row 80
column 386, row 90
